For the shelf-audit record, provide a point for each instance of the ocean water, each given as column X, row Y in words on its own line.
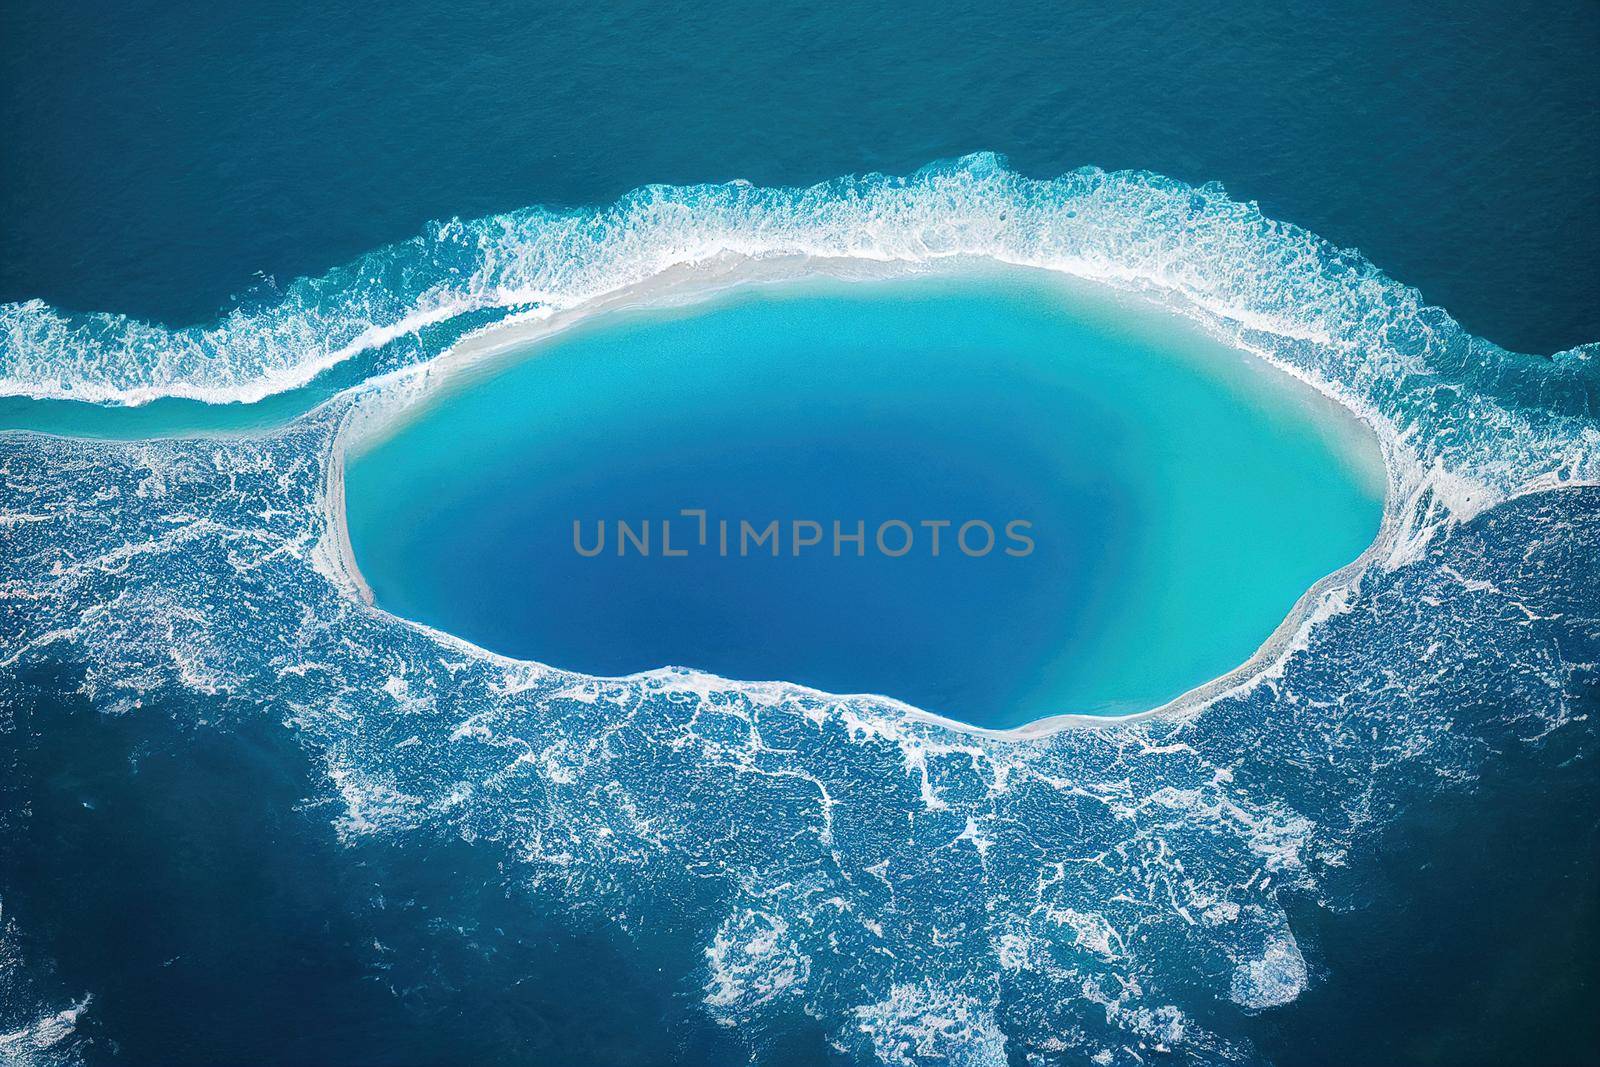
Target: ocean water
column 247, row 818
column 169, row 163
column 1167, row 481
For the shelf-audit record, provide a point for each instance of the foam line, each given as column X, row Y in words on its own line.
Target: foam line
column 1326, row 313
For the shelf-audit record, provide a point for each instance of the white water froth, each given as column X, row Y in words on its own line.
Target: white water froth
column 927, row 894
column 1324, row 314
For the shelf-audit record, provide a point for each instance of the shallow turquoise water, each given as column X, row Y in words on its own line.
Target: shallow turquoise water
column 166, row 417
column 1181, row 496
column 183, row 162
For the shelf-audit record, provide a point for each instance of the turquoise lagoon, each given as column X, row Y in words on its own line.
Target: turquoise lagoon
column 1179, row 495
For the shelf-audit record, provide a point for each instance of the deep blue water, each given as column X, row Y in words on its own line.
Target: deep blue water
column 161, row 159
column 243, row 821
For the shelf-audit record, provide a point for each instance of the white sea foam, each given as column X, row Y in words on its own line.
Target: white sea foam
column 1130, row 875
column 1277, row 977
column 751, row 960
column 1126, row 874
column 916, row 1024
column 41, row 1042
column 1320, row 312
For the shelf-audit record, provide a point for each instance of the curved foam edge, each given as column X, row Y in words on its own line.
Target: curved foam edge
column 1263, row 796
column 376, row 410
column 1323, row 312
column 1462, row 424
column 1419, row 501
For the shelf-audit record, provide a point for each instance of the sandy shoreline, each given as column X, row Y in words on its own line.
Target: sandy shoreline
column 380, row 407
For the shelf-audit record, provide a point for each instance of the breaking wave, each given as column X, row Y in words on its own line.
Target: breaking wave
column 924, row 893
column 1327, row 312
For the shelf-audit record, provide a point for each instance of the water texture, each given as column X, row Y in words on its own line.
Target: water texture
column 827, row 877
column 245, row 817
column 1164, row 484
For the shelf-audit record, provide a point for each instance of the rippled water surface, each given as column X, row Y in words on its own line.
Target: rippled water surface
column 247, row 818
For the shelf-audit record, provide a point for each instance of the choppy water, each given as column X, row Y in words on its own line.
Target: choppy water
column 815, row 873
column 246, row 818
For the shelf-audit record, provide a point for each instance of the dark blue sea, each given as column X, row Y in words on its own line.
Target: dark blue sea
column 246, row 816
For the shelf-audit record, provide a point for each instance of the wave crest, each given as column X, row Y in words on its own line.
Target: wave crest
column 1515, row 422
column 1128, row 894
